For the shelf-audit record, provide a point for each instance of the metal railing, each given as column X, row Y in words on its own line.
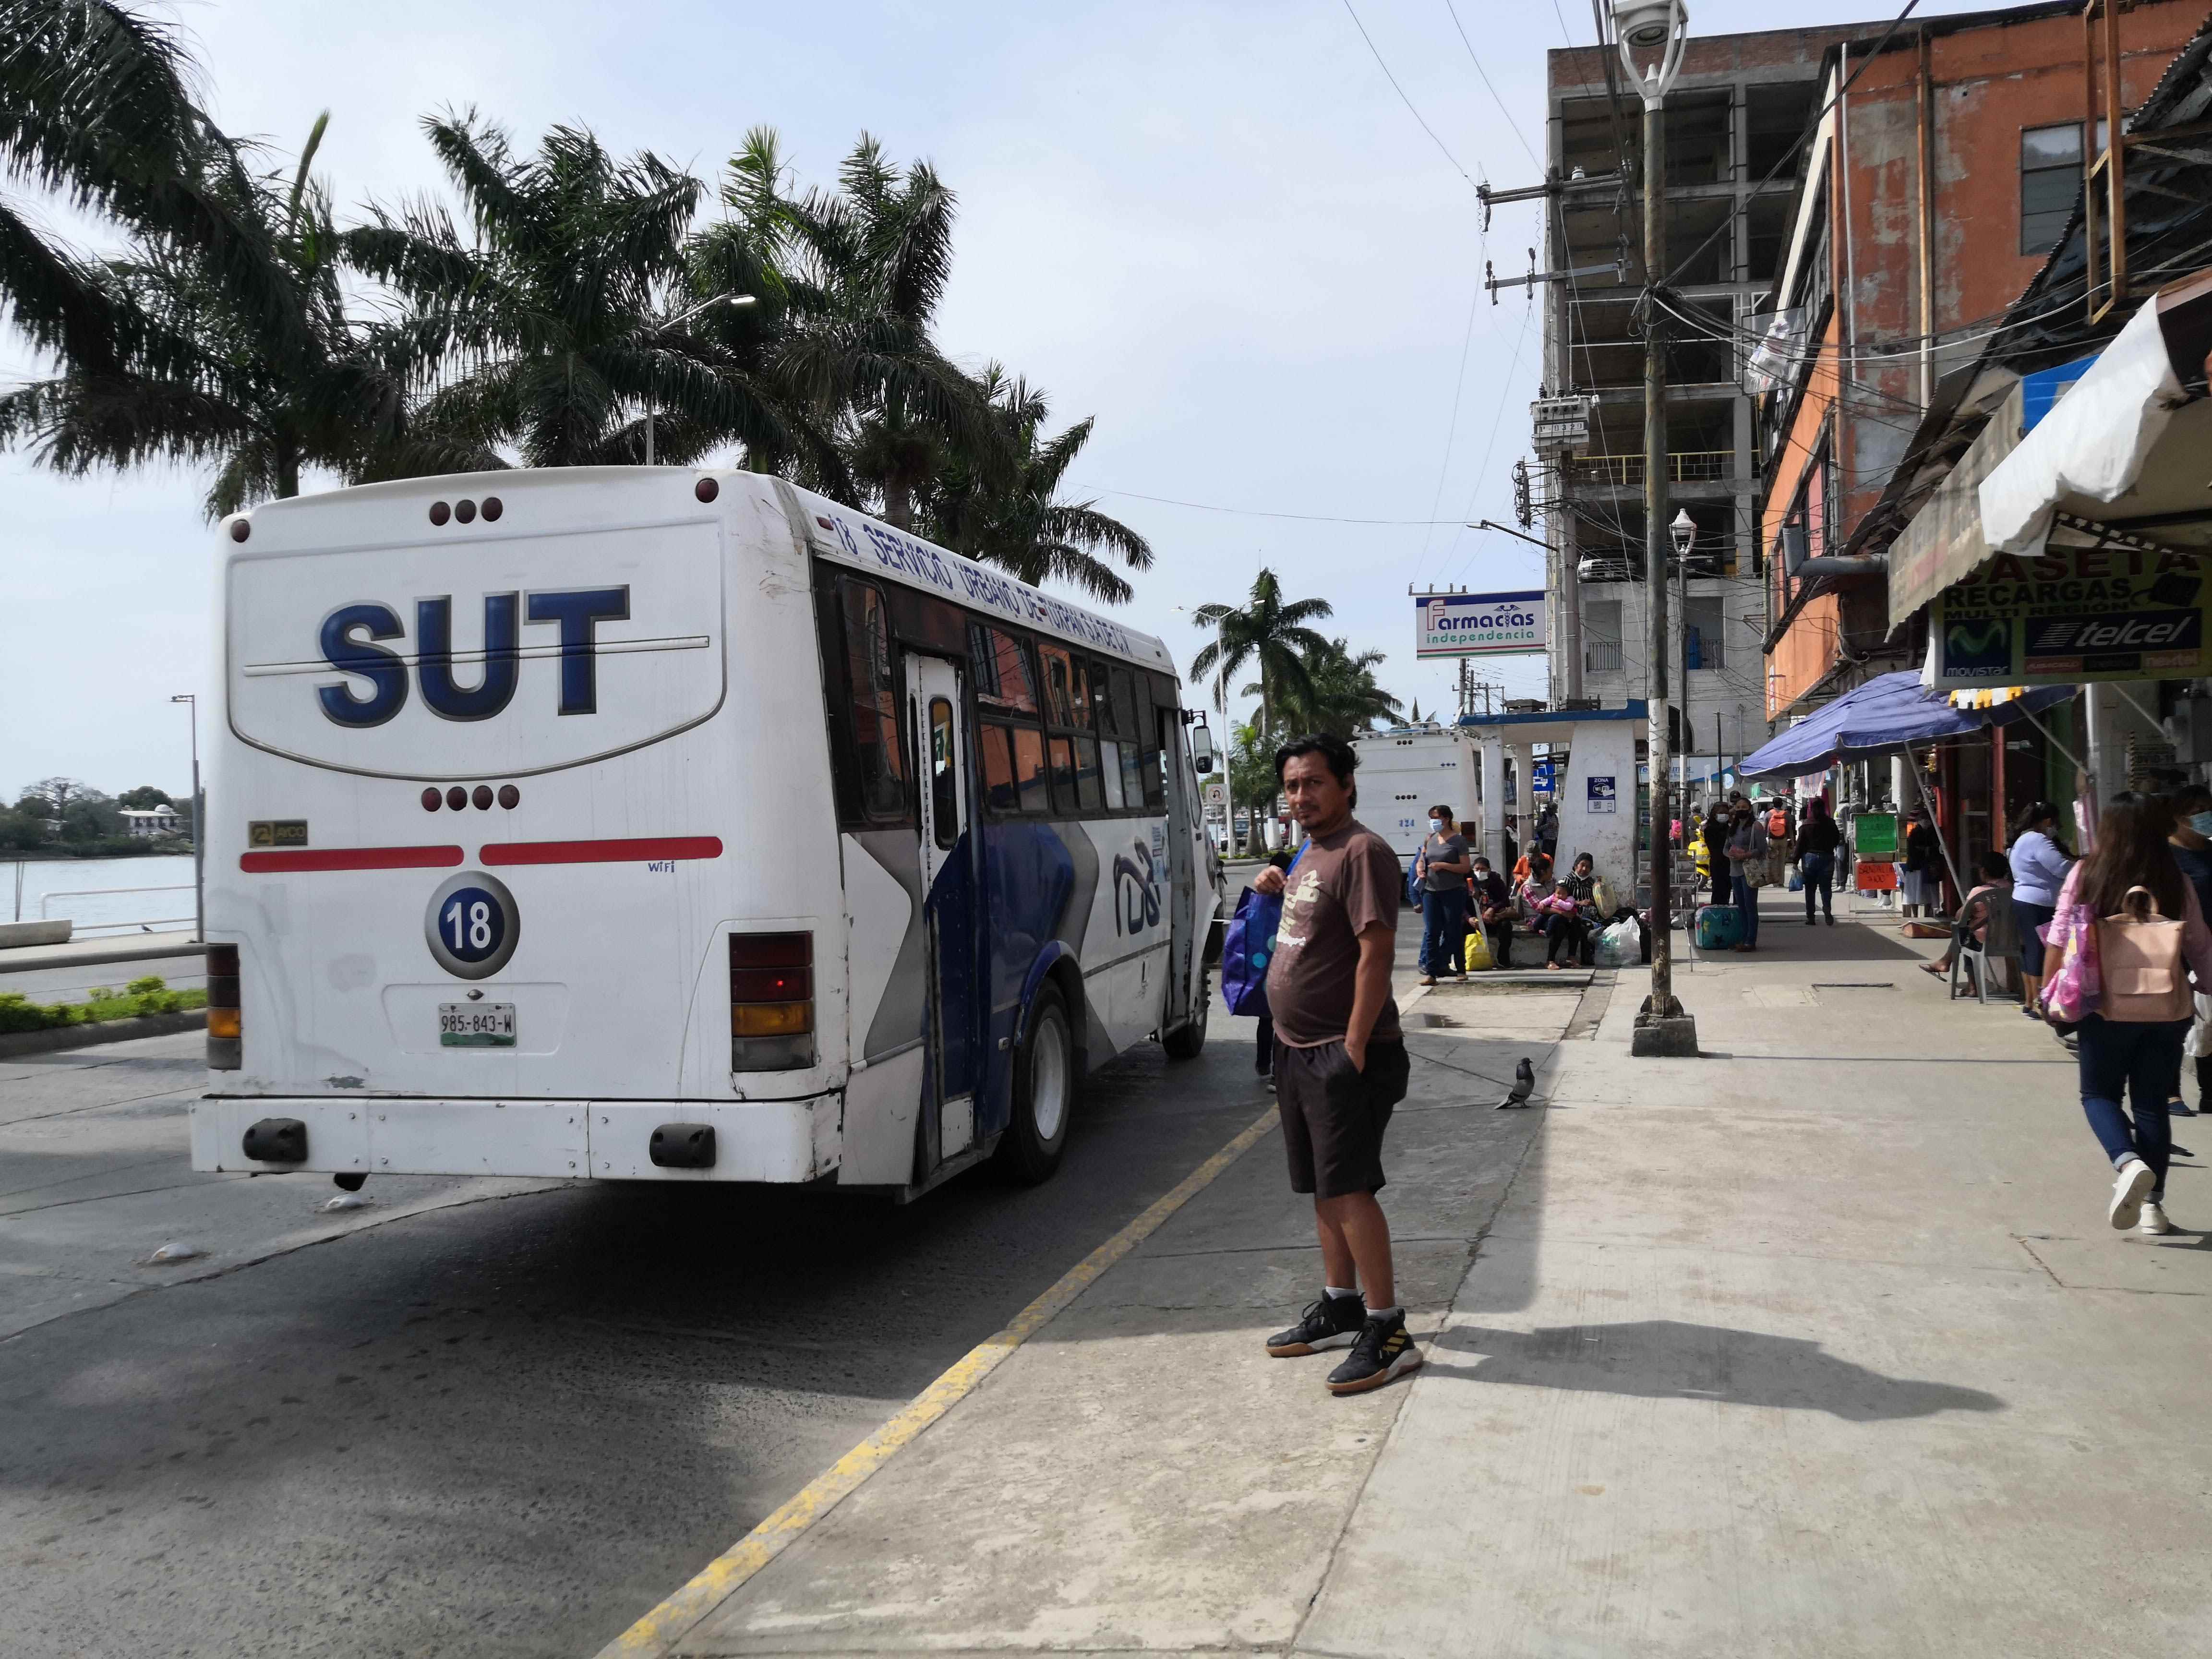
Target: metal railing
column 1683, row 466
column 118, row 926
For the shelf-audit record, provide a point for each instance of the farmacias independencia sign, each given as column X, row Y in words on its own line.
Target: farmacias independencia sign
column 1478, row 624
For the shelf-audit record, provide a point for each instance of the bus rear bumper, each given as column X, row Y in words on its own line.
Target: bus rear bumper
column 783, row 1140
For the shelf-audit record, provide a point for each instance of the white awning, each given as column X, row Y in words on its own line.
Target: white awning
column 2126, row 445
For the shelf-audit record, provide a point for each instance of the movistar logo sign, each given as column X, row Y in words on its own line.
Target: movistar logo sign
column 357, row 640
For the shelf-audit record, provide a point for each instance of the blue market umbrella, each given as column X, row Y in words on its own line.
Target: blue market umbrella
column 1888, row 716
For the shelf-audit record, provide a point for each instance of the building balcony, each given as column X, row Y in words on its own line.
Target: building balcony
column 1626, row 471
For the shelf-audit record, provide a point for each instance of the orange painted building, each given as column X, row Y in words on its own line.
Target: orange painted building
column 1937, row 184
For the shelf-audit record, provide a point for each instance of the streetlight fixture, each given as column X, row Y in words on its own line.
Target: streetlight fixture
column 731, row 299
column 1651, row 35
column 199, row 833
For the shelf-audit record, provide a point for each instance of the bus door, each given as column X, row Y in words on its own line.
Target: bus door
column 948, row 869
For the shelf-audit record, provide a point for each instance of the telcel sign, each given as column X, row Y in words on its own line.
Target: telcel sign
column 1478, row 624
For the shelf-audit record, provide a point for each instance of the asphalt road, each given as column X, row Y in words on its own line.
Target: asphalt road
column 505, row 1424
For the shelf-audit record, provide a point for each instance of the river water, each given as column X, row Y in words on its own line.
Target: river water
column 86, row 891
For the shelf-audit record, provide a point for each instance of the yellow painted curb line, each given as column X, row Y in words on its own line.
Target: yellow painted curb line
column 657, row 1632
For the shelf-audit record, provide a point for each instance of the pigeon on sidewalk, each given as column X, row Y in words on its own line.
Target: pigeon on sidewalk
column 1524, row 1084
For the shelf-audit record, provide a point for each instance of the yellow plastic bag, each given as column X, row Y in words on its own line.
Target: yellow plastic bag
column 1477, row 953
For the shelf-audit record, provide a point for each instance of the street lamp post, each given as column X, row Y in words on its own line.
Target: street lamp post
column 1656, row 31
column 199, row 833
column 1684, row 533
column 685, row 317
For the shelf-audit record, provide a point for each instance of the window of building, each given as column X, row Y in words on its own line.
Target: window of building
column 1601, row 636
column 2050, row 163
column 1704, row 619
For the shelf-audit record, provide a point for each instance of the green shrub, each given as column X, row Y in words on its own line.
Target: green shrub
column 150, row 995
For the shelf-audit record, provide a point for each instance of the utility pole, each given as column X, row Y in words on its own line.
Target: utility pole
column 1660, row 27
column 191, row 699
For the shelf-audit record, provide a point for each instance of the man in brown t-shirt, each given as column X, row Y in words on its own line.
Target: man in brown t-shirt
column 1340, row 1060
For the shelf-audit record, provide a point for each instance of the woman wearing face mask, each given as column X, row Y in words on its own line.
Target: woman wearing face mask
column 2039, row 865
column 2191, row 841
column 1442, row 867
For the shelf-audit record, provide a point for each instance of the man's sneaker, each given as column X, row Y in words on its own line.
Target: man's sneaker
column 1334, row 1321
column 1383, row 1351
column 2129, row 1192
column 2154, row 1219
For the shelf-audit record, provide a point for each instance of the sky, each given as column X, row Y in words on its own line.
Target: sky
column 1219, row 228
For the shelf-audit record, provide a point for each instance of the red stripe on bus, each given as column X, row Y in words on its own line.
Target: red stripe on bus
column 352, row 857
column 605, row 852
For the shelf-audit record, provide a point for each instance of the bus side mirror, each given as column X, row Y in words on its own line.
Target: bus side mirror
column 1201, row 749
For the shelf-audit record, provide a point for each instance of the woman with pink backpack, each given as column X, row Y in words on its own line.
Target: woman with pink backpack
column 2126, row 935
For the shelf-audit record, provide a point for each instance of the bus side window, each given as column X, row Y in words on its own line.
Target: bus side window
column 1063, row 751
column 876, row 753
column 1029, row 769
column 998, row 768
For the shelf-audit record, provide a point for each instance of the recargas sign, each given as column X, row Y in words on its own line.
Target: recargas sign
column 1478, row 624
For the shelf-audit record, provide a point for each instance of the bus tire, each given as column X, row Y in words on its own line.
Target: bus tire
column 1044, row 1092
column 1185, row 1040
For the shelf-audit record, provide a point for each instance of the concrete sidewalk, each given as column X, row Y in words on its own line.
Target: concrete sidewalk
column 1818, row 1345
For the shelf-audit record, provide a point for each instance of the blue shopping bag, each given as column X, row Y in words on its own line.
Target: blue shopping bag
column 1249, row 946
column 1247, row 950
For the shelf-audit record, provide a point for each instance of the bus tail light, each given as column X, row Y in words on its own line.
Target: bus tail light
column 771, row 1002
column 223, row 1029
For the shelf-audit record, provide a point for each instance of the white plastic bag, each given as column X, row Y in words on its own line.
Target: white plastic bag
column 1621, row 945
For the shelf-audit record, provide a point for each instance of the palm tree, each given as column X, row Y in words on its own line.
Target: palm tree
column 1340, row 696
column 1016, row 521
column 1268, row 633
column 572, row 314
column 859, row 272
column 261, row 378
column 1253, row 784
column 219, row 334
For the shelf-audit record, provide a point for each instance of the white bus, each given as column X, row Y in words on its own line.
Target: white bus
column 678, row 826
column 1406, row 770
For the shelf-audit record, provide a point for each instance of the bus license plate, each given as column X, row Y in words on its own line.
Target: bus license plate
column 475, row 1025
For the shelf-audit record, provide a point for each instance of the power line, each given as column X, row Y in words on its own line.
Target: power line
column 1519, row 346
column 1451, row 433
column 1484, row 74
column 1403, row 99
column 1258, row 512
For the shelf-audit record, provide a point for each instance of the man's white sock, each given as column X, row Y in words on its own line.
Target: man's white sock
column 1337, row 1290
column 1386, row 1313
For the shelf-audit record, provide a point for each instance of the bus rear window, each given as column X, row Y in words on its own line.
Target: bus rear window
column 879, row 767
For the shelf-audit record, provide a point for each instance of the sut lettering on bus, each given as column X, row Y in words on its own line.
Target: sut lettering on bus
column 350, row 634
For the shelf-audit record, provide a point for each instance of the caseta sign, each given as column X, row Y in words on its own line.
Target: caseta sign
column 1478, row 624
column 2073, row 614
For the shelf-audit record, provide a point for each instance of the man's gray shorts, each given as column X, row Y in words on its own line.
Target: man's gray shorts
column 1334, row 1116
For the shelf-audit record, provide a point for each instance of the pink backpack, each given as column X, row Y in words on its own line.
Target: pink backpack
column 2139, row 959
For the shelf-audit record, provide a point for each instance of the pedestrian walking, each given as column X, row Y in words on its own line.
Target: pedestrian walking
column 1547, row 831
column 1920, row 881
column 1493, row 908
column 1747, row 857
column 2191, row 839
column 1443, row 865
column 1818, row 840
column 1263, row 1056
column 2129, row 906
column 1341, row 1063
column 2039, row 865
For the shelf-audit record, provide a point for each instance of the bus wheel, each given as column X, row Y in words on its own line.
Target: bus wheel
column 1044, row 1092
column 1185, row 1041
